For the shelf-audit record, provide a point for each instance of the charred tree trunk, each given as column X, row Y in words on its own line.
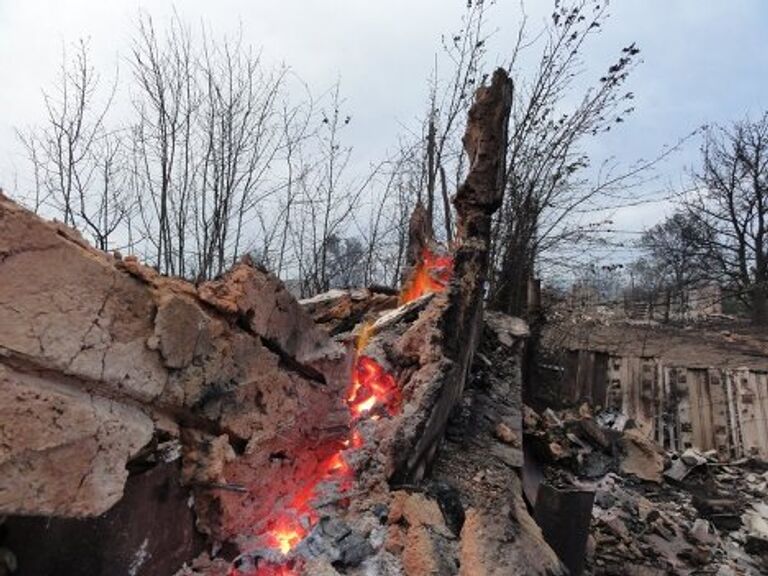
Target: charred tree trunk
column 481, row 194
column 420, row 236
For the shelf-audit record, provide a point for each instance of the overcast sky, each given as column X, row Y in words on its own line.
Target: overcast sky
column 704, row 61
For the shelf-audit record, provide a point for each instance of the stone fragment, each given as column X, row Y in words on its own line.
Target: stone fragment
column 205, row 458
column 395, row 541
column 449, row 500
column 641, row 456
column 320, row 567
column 419, row 553
column 703, row 532
column 678, row 470
column 262, row 302
column 588, row 429
column 616, row 526
column 551, row 419
column 181, row 331
column 693, row 458
column 506, row 435
column 416, row 510
column 63, row 452
column 354, row 549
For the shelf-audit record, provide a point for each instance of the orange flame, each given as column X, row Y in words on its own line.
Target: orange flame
column 365, row 335
column 431, row 275
column 336, row 464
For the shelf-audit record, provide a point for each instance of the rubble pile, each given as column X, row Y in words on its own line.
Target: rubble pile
column 655, row 513
column 340, row 311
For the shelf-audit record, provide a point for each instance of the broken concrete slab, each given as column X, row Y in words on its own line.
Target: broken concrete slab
column 63, row 451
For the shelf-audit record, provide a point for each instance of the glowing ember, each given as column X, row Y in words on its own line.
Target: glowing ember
column 372, row 386
column 336, row 463
column 287, row 539
column 357, row 439
column 431, row 275
column 286, row 533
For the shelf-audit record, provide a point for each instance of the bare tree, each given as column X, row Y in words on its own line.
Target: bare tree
column 77, row 161
column 648, row 281
column 731, row 204
column 295, row 124
column 207, row 135
column 547, row 191
column 449, row 102
column 329, row 199
column 218, row 161
column 165, row 97
column 241, row 113
column 553, row 195
column 676, row 259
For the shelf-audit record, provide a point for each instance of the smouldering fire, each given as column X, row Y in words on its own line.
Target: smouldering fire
column 431, row 275
column 372, row 391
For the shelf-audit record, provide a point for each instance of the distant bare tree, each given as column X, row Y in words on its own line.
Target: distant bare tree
column 165, row 99
column 329, row 200
column 648, row 281
column 296, row 126
column 731, row 205
column 598, row 284
column 77, row 161
column 216, row 161
column 675, row 260
column 206, row 137
column 241, row 113
column 546, row 190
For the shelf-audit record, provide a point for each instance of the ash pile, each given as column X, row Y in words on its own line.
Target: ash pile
column 612, row 502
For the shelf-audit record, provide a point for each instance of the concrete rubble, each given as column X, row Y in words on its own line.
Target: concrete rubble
column 654, row 512
column 142, row 401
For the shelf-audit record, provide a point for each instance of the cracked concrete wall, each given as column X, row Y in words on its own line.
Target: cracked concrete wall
column 100, row 355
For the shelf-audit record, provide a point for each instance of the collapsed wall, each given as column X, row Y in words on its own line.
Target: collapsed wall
column 679, row 406
column 106, row 366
